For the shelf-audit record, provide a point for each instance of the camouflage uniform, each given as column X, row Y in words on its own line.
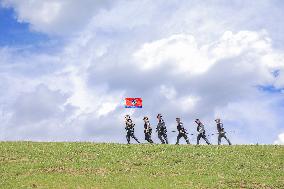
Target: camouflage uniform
column 201, row 133
column 148, row 131
column 222, row 133
column 162, row 131
column 182, row 133
column 130, row 130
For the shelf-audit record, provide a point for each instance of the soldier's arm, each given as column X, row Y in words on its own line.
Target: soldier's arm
column 158, row 127
column 146, row 130
column 221, row 128
column 148, row 127
column 128, row 122
column 182, row 130
column 201, row 129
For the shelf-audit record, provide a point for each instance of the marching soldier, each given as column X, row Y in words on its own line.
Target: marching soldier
column 162, row 130
column 181, row 131
column 147, row 129
column 201, row 132
column 221, row 132
column 129, row 129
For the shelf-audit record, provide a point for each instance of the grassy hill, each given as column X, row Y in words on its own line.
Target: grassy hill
column 90, row 165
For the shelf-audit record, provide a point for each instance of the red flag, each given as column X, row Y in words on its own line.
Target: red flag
column 133, row 102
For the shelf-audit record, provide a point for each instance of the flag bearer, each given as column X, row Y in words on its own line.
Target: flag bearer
column 129, row 129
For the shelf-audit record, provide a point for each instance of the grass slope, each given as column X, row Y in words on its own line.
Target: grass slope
column 89, row 165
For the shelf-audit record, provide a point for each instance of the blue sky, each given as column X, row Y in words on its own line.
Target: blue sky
column 14, row 33
column 66, row 67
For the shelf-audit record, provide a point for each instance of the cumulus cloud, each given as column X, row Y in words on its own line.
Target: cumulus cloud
column 56, row 16
column 280, row 139
column 177, row 50
column 164, row 58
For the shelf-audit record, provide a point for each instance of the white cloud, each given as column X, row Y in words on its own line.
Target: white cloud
column 168, row 92
column 179, row 50
column 188, row 103
column 280, row 139
column 184, row 55
column 56, row 16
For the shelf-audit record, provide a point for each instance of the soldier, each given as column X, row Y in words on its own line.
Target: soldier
column 181, row 131
column 129, row 129
column 201, row 132
column 162, row 130
column 147, row 129
column 221, row 132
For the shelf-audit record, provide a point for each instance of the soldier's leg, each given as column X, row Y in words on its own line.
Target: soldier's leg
column 150, row 138
column 198, row 138
column 160, row 137
column 128, row 138
column 165, row 137
column 147, row 137
column 227, row 140
column 178, row 137
column 206, row 140
column 133, row 136
column 186, row 138
column 219, row 139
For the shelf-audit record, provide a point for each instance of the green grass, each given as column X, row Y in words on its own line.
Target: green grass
column 91, row 165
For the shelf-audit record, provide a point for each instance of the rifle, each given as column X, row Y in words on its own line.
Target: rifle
column 185, row 133
column 223, row 132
